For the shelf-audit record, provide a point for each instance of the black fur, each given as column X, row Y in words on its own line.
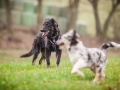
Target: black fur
column 73, row 41
column 89, row 56
column 107, row 45
column 42, row 43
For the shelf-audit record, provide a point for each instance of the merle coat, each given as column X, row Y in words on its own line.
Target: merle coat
column 83, row 57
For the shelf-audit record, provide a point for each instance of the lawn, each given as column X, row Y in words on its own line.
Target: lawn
column 19, row 74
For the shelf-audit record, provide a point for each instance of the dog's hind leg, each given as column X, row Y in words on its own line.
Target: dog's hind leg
column 35, row 57
column 42, row 57
column 97, row 73
column 58, row 56
column 102, row 74
column 78, row 65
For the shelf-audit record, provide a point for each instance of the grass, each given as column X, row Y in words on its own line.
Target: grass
column 19, row 74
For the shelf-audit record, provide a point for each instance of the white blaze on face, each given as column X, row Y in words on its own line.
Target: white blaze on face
column 65, row 39
column 63, row 42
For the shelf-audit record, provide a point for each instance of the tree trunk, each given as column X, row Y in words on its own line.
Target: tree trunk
column 103, row 32
column 73, row 13
column 115, row 23
column 116, row 28
column 39, row 18
column 8, row 15
column 97, row 20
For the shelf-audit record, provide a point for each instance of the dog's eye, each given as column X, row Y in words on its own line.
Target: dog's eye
column 69, row 36
column 66, row 37
column 46, row 24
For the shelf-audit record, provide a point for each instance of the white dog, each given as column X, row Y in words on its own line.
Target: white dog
column 82, row 57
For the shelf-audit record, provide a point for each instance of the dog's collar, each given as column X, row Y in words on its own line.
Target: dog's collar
column 54, row 41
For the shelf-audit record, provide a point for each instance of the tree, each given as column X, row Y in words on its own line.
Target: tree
column 73, row 6
column 8, row 15
column 103, row 31
column 115, row 23
column 39, row 18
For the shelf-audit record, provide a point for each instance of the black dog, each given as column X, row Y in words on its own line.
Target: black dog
column 45, row 42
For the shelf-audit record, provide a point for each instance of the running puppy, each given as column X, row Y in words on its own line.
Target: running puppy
column 82, row 57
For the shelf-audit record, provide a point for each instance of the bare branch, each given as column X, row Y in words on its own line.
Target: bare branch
column 105, row 27
column 118, row 1
column 115, row 3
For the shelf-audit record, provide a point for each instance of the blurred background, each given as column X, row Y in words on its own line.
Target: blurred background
column 95, row 20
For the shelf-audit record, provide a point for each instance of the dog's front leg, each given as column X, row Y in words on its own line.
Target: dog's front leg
column 58, row 56
column 78, row 65
column 48, row 54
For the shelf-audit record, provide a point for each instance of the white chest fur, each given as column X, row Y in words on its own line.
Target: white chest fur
column 75, row 53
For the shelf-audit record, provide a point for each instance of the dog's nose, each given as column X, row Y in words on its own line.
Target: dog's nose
column 41, row 30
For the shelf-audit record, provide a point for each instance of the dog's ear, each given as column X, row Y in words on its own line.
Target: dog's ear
column 74, row 38
column 75, row 34
column 55, row 24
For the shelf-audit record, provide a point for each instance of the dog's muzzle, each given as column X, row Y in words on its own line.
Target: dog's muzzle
column 60, row 43
column 44, row 33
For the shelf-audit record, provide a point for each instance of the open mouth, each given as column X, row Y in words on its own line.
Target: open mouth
column 61, row 44
column 44, row 34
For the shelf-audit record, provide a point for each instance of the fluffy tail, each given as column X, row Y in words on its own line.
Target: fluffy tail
column 28, row 54
column 110, row 44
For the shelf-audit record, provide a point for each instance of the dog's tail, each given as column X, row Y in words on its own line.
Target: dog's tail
column 31, row 52
column 110, row 44
column 36, row 46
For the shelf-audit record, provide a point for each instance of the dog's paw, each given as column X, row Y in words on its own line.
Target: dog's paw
column 57, row 65
column 48, row 66
column 103, row 76
column 78, row 72
column 95, row 80
column 82, row 74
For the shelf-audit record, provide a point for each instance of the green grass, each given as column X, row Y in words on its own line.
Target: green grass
column 19, row 74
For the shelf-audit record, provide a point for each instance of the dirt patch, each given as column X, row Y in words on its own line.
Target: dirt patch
column 17, row 40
